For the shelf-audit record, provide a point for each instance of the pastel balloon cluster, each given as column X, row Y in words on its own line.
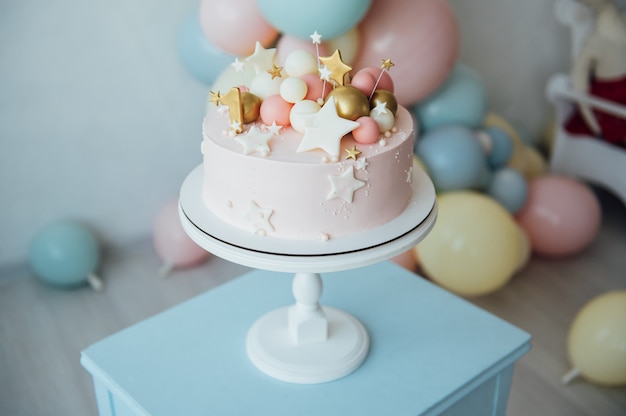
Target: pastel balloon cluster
column 420, row 36
column 497, row 202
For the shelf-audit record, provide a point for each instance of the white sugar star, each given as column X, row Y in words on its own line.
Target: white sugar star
column 344, row 185
column 316, row 38
column 361, row 163
column 409, row 175
column 274, row 128
column 238, row 65
column 235, row 126
column 262, row 58
column 324, row 73
column 325, row 130
column 381, row 108
column 259, row 218
column 255, row 141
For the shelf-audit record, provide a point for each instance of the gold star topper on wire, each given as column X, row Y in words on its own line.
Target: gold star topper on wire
column 338, row 69
column 385, row 66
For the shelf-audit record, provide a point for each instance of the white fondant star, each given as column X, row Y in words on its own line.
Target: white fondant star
column 325, row 130
column 409, row 175
column 255, row 141
column 262, row 58
column 344, row 185
column 259, row 218
column 316, row 38
column 324, row 73
column 274, row 128
column 238, row 65
column 381, row 108
column 361, row 163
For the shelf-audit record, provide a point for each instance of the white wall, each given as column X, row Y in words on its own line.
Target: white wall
column 99, row 121
column 515, row 46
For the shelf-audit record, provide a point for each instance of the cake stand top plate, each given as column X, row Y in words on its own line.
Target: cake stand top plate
column 289, row 255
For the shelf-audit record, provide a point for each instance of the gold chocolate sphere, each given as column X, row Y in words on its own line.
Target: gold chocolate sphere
column 384, row 96
column 251, row 107
column 350, row 102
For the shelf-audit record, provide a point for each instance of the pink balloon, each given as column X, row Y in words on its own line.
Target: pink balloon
column 275, row 109
column 421, row 37
column 172, row 243
column 287, row 44
column 235, row 25
column 561, row 216
column 406, row 260
column 365, row 80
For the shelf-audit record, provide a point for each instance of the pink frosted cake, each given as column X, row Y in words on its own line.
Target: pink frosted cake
column 299, row 155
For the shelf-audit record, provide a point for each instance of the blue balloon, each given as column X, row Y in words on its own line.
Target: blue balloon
column 462, row 100
column 454, row 158
column 64, row 253
column 330, row 18
column 201, row 58
column 509, row 188
column 501, row 147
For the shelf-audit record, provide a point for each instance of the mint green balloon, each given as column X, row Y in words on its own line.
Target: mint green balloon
column 64, row 253
column 330, row 18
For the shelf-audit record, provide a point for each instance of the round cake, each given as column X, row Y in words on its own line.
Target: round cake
column 313, row 172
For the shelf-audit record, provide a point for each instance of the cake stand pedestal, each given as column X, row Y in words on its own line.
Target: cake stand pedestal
column 306, row 342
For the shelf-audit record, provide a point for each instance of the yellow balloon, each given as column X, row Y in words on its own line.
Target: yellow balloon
column 536, row 165
column 474, row 247
column 526, row 249
column 596, row 341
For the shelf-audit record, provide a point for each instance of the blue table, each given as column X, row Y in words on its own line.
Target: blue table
column 431, row 353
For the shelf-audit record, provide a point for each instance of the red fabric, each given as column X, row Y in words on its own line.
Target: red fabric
column 613, row 128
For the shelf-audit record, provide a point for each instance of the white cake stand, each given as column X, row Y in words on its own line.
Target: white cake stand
column 305, row 342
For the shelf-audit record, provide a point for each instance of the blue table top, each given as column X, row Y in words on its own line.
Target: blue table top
column 426, row 345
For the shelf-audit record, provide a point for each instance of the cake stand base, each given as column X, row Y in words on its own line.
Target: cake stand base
column 272, row 348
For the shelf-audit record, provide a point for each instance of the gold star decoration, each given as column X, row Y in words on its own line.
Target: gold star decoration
column 352, row 153
column 274, row 71
column 215, row 97
column 338, row 69
column 387, row 64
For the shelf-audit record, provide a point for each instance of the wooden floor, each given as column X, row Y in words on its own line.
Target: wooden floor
column 43, row 330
